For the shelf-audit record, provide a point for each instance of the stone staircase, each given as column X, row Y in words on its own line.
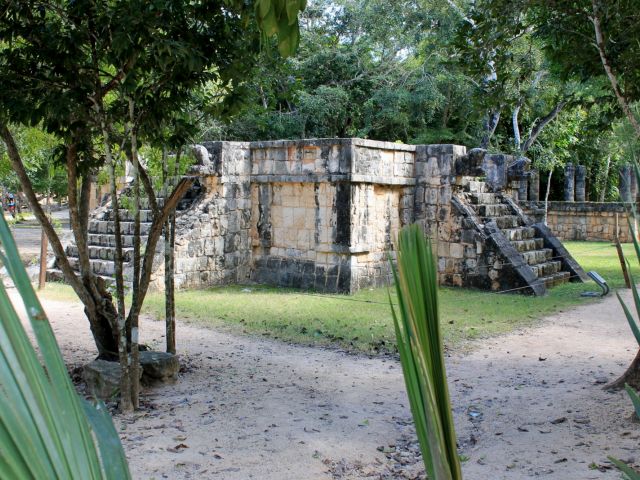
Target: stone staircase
column 528, row 251
column 101, row 238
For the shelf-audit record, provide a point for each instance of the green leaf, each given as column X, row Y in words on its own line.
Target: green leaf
column 292, row 11
column 630, row 473
column 630, row 319
column 421, row 353
column 44, row 432
column 635, row 399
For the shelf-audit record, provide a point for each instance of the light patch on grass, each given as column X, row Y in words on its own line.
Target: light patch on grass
column 57, row 291
column 362, row 322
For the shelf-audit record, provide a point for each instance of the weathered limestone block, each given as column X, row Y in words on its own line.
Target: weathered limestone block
column 569, row 183
column 534, row 186
column 103, row 379
column 159, row 367
column 624, row 186
column 581, row 180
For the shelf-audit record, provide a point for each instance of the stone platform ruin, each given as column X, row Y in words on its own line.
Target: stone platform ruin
column 323, row 215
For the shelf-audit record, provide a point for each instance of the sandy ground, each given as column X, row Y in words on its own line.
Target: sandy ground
column 526, row 405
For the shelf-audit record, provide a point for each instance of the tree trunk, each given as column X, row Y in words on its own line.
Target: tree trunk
column 603, row 192
column 91, row 290
column 44, row 243
column 516, row 126
column 539, row 126
column 631, row 376
column 490, row 124
column 169, row 257
column 135, row 355
column 622, row 100
column 120, row 328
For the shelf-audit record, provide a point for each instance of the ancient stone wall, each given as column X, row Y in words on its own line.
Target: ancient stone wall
column 213, row 244
column 324, row 212
column 590, row 221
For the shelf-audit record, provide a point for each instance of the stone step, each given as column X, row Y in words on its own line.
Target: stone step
column 556, row 279
column 144, row 202
column 56, row 275
column 547, row 268
column 146, row 216
column 476, row 187
column 535, row 257
column 493, row 210
column 127, row 228
column 102, row 252
column 519, row 233
column 109, row 240
column 100, row 267
column 483, row 198
column 506, row 221
column 528, row 244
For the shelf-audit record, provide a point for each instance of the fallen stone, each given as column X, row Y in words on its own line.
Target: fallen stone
column 102, row 379
column 159, row 367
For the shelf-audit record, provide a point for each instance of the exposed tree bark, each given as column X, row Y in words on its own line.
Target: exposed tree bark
column 148, row 188
column 155, row 232
column 120, row 329
column 490, row 124
column 42, row 277
column 85, row 193
column 135, row 355
column 617, row 89
column 96, row 299
column 516, row 125
column 540, row 124
column 169, row 257
column 631, row 376
column 603, row 192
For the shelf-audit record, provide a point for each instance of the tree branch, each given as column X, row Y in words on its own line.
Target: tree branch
column 148, row 188
column 624, row 104
column 154, row 235
column 54, row 240
column 537, row 128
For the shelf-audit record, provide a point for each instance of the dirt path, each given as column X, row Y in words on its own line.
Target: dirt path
column 526, row 404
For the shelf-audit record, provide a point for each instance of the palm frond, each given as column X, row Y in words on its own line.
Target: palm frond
column 44, row 428
column 421, row 353
column 635, row 399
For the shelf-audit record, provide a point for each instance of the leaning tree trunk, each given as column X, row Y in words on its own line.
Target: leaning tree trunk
column 631, row 376
column 90, row 289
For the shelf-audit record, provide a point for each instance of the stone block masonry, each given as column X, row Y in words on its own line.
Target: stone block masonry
column 323, row 214
column 590, row 221
column 313, row 214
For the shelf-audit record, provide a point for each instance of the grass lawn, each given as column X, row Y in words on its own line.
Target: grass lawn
column 362, row 322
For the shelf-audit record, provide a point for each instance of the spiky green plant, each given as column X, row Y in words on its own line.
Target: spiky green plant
column 421, row 353
column 46, row 429
column 629, row 472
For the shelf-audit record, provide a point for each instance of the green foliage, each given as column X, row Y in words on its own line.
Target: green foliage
column 46, row 429
column 628, row 472
column 38, row 149
column 373, row 69
column 635, row 399
column 280, row 17
column 417, row 326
